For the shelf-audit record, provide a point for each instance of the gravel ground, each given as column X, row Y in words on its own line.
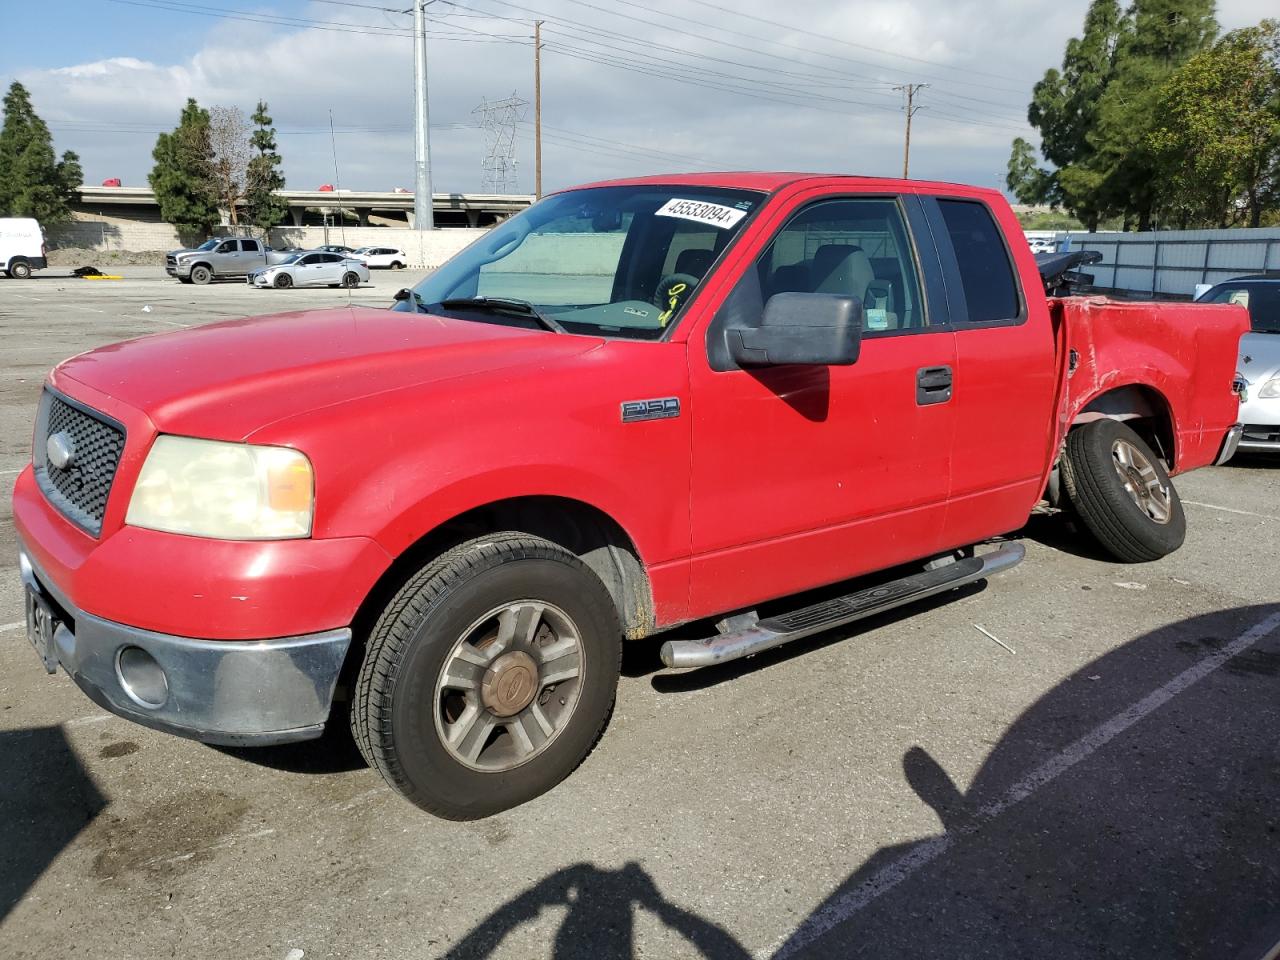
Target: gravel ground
column 908, row 788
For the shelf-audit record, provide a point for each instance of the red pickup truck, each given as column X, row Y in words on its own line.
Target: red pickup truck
column 637, row 404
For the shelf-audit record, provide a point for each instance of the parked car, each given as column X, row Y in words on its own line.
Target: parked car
column 314, row 269
column 450, row 514
column 339, row 248
column 1259, row 357
column 386, row 257
column 21, row 247
column 220, row 257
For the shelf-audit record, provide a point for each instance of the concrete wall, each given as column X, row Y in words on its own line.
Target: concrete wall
column 104, row 233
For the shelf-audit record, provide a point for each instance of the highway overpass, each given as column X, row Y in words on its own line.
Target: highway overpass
column 321, row 207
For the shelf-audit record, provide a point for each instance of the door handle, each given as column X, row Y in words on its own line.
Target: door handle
column 933, row 385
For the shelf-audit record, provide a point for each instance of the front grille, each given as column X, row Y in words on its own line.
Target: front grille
column 80, row 488
column 1261, row 433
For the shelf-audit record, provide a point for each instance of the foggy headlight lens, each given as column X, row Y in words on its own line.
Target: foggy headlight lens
column 1270, row 390
column 229, row 491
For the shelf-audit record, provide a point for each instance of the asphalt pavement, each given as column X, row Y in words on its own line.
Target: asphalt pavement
column 1078, row 759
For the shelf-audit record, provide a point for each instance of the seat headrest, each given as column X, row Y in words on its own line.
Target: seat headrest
column 694, row 262
column 842, row 268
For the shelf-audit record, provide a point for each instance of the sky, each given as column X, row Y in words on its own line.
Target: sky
column 629, row 87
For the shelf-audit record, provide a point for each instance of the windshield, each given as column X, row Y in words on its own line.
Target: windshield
column 210, row 244
column 1262, row 300
column 292, row 258
column 613, row 261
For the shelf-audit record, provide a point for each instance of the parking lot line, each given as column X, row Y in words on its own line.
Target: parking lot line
column 1243, row 513
column 6, row 627
column 894, row 873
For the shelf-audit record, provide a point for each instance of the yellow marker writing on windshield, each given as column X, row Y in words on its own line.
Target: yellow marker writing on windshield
column 673, row 300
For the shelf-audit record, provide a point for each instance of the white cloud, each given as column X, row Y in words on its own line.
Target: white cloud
column 985, row 56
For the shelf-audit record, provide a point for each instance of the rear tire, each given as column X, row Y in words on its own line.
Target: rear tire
column 282, row 281
column 397, row 265
column 201, row 275
column 488, row 677
column 19, row 269
column 1122, row 492
column 351, row 281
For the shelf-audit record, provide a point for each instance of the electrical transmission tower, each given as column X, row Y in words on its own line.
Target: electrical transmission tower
column 498, row 119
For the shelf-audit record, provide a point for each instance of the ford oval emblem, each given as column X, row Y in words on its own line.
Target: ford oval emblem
column 61, row 449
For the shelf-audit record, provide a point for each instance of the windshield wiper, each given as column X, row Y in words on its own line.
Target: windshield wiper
column 503, row 305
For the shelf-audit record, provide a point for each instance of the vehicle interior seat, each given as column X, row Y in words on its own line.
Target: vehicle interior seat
column 845, row 268
column 695, row 263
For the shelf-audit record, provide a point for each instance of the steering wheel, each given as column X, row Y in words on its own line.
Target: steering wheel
column 673, row 290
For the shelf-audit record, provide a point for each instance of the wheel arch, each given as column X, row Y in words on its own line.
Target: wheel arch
column 1144, row 408
column 583, row 529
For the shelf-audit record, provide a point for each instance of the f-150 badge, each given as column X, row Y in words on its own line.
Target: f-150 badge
column 662, row 409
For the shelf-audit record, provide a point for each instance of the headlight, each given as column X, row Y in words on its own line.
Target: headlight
column 229, row 491
column 1270, row 390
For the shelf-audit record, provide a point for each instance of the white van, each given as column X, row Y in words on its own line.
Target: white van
column 21, row 247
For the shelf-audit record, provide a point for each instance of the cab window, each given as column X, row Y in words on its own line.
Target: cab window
column 854, row 248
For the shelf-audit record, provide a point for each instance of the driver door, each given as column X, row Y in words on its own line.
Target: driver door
column 807, row 475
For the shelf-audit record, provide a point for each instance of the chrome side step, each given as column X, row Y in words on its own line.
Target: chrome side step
column 775, row 631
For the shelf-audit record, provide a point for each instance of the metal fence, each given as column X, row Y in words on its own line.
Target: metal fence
column 1173, row 262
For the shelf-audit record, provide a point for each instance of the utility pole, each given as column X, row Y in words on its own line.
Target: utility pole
column 423, row 212
column 910, row 89
column 537, row 109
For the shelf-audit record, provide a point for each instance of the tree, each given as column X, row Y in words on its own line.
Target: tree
column 1094, row 114
column 33, row 183
column 183, row 176
column 264, row 207
column 229, row 138
column 1218, row 138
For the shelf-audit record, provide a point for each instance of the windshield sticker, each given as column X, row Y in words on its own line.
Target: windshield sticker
column 712, row 214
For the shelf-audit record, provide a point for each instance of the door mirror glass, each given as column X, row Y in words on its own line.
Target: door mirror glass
column 816, row 329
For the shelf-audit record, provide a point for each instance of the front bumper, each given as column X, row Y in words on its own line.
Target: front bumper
column 235, row 693
column 178, row 269
column 1261, row 436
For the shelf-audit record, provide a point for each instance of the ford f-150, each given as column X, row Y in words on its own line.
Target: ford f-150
column 637, row 404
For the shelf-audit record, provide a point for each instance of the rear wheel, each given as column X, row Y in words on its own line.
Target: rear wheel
column 19, row 269
column 282, row 281
column 350, row 281
column 397, row 265
column 1122, row 492
column 489, row 677
column 201, row 274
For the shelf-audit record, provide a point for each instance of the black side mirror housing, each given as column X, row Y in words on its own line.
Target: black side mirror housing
column 404, row 293
column 814, row 329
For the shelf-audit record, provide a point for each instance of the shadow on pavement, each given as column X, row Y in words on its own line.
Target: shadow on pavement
column 1130, row 812
column 333, row 752
column 600, row 918
column 46, row 799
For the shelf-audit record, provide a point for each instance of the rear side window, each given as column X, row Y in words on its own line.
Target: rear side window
column 250, row 246
column 986, row 274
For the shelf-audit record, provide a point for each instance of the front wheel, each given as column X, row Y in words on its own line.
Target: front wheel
column 19, row 269
column 282, row 281
column 489, row 677
column 201, row 275
column 1122, row 492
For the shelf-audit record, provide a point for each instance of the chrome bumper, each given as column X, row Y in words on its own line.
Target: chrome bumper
column 1230, row 443
column 234, row 693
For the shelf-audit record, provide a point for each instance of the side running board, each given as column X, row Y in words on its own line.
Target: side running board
column 766, row 634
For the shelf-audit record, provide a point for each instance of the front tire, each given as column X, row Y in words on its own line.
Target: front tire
column 19, row 269
column 489, row 677
column 282, row 281
column 201, row 275
column 1122, row 492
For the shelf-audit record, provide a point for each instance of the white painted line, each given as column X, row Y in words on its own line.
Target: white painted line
column 924, row 853
column 96, row 718
column 11, row 473
column 1243, row 513
column 6, row 627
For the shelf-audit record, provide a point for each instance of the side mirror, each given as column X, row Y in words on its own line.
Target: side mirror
column 817, row 329
column 404, row 293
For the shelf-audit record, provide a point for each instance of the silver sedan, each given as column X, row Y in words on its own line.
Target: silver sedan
column 316, row 268
column 1259, row 357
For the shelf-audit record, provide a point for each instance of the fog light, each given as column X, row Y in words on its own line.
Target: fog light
column 142, row 677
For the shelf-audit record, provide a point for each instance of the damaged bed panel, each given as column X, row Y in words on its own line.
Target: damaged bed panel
column 1152, row 360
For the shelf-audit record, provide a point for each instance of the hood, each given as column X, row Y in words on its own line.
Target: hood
column 226, row 380
column 1260, row 356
